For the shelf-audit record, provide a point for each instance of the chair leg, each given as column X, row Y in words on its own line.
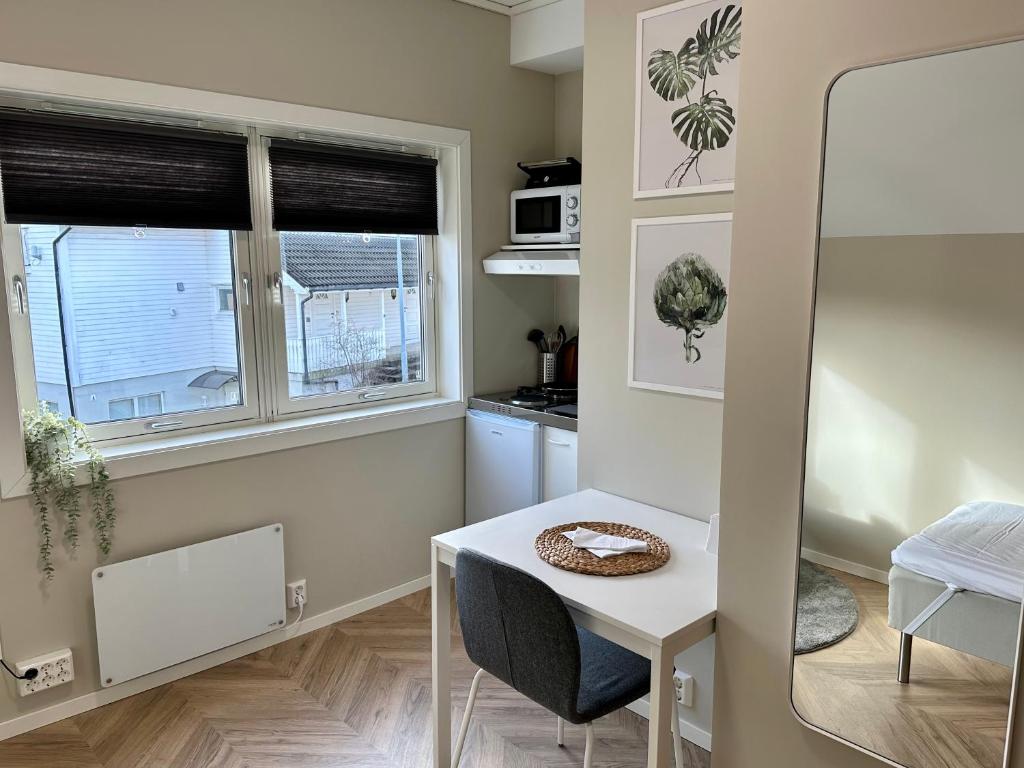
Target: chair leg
column 906, row 646
column 588, row 754
column 473, row 689
column 561, row 732
column 677, row 740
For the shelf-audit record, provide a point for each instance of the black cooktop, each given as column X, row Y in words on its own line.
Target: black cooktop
column 533, row 404
column 543, row 397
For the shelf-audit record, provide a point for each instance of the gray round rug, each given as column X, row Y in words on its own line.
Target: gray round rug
column 826, row 610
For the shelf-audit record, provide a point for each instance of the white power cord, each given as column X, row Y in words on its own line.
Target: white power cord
column 301, row 600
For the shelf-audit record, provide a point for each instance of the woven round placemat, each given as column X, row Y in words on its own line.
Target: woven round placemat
column 554, row 548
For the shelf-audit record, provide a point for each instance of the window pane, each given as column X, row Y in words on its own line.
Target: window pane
column 226, row 299
column 150, row 405
column 352, row 311
column 126, row 322
column 123, row 408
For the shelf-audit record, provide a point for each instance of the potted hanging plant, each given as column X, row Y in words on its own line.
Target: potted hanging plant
column 53, row 446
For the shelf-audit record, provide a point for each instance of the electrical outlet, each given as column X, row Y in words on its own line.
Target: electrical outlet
column 297, row 589
column 684, row 688
column 54, row 669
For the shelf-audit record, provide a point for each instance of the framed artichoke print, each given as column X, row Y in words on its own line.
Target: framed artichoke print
column 679, row 304
column 687, row 93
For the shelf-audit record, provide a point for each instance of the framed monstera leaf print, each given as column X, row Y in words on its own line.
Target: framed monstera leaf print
column 679, row 304
column 687, row 94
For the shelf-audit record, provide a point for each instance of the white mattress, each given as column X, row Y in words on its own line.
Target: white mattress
column 978, row 546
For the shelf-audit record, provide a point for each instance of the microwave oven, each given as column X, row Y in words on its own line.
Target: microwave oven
column 546, row 215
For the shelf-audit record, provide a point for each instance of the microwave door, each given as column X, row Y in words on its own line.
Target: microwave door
column 538, row 216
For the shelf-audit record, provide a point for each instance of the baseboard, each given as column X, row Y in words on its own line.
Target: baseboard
column 70, row 708
column 687, row 730
column 846, row 566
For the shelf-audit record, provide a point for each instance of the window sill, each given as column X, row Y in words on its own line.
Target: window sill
column 221, row 444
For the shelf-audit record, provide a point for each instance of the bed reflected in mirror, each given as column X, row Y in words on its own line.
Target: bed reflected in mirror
column 911, row 574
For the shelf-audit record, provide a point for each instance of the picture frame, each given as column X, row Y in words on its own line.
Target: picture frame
column 677, row 346
column 683, row 145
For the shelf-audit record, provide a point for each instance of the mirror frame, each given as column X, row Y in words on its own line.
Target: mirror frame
column 1019, row 656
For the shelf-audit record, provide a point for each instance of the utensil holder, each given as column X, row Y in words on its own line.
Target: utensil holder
column 546, row 368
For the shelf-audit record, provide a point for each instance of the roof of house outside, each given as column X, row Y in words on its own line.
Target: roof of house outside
column 324, row 261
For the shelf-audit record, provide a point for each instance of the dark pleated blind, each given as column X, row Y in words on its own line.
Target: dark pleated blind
column 58, row 169
column 322, row 188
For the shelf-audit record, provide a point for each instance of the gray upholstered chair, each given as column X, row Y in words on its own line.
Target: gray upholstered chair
column 517, row 629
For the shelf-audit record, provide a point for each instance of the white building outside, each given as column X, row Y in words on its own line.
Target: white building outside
column 149, row 324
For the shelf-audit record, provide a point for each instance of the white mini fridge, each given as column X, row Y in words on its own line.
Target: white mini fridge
column 503, row 467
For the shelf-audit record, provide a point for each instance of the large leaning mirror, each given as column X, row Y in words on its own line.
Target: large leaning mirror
column 910, row 579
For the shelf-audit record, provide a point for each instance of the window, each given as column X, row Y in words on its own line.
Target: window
column 118, row 229
column 92, row 346
column 130, row 407
column 225, row 300
column 353, row 312
column 150, row 405
column 356, row 316
column 122, row 409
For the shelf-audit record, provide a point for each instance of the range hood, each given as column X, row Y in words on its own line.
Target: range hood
column 534, row 260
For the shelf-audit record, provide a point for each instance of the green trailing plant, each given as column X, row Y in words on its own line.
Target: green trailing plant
column 53, row 446
column 690, row 295
column 706, row 122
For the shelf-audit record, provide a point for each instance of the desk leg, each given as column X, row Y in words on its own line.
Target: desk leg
column 441, row 653
column 659, row 740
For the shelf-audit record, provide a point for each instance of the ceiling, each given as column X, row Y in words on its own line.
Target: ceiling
column 508, row 7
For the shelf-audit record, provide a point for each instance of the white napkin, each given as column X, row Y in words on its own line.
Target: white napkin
column 602, row 544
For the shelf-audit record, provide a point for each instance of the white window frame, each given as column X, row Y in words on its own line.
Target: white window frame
column 141, row 426
column 269, row 430
column 285, row 404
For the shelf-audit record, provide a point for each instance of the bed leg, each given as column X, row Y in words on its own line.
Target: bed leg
column 906, row 646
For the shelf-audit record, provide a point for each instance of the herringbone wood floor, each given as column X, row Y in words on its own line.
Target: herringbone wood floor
column 953, row 714
column 355, row 694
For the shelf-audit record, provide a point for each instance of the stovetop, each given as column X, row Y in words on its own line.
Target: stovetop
column 532, row 404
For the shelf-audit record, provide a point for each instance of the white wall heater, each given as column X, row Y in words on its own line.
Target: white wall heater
column 157, row 611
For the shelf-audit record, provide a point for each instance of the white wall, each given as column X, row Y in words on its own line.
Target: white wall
column 392, row 319
column 124, row 312
column 658, row 448
column 432, row 61
column 915, row 387
column 568, row 143
column 92, row 401
column 549, row 38
column 949, row 133
column 144, row 327
column 916, row 303
column 793, row 50
column 364, row 310
column 146, row 336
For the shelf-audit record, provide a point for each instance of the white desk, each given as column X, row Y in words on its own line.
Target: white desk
column 657, row 614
